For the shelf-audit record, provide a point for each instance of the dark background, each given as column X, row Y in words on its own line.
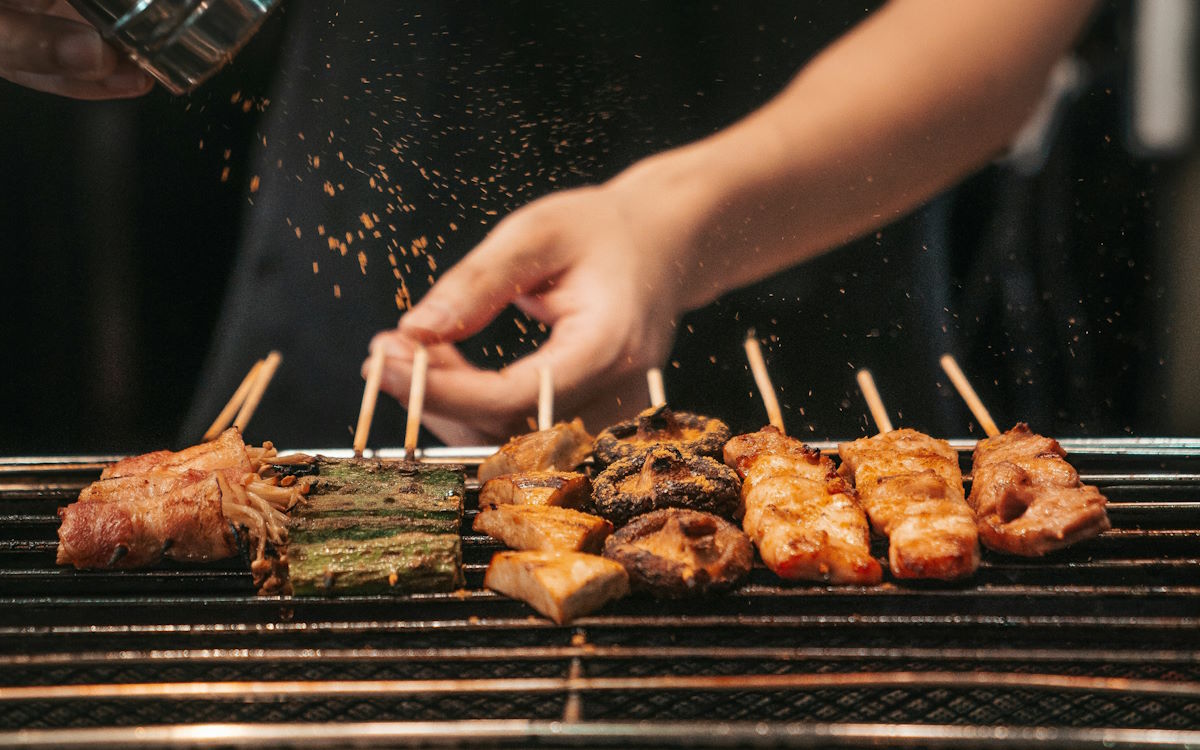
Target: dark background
column 122, row 222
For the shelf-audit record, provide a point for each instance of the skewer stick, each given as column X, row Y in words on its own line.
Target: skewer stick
column 545, row 398
column 874, row 402
column 261, row 381
column 763, row 380
column 235, row 402
column 416, row 401
column 658, row 393
column 366, row 412
column 974, row 403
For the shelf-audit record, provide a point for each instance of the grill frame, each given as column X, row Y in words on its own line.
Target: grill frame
column 1108, row 631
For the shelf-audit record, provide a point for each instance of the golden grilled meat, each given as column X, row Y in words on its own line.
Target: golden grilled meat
column 911, row 487
column 543, row 527
column 677, row 552
column 560, row 585
column 1028, row 500
column 566, row 489
column 805, row 520
column 665, row 477
column 561, row 448
column 658, row 425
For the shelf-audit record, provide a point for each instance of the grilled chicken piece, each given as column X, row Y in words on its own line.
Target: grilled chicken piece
column 560, row 585
column 566, row 489
column 805, row 520
column 187, row 524
column 911, row 487
column 560, row 448
column 227, row 451
column 676, row 552
column 665, row 477
column 658, row 425
column 1028, row 500
column 543, row 527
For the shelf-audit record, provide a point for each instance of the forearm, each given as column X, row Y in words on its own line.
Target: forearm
column 918, row 96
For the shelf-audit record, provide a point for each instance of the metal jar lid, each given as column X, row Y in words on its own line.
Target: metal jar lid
column 179, row 42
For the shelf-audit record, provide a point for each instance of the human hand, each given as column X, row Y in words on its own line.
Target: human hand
column 46, row 45
column 601, row 266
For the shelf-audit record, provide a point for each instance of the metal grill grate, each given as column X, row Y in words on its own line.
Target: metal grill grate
column 1094, row 646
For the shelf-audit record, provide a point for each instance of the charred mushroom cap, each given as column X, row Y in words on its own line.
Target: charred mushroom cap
column 659, row 425
column 665, row 477
column 677, row 552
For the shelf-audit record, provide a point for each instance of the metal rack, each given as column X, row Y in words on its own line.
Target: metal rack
column 1096, row 646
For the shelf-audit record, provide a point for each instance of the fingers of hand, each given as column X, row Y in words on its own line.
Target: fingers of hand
column 513, row 260
column 31, row 6
column 53, row 54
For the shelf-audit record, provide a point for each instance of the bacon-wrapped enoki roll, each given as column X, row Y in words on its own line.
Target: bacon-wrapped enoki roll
column 227, row 452
column 187, row 523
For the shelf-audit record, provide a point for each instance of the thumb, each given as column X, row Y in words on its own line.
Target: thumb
column 515, row 259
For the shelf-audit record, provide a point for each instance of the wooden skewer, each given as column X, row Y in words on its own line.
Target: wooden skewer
column 974, row 403
column 545, row 398
column 658, row 393
column 235, row 402
column 416, row 401
column 874, row 402
column 261, row 381
column 366, row 412
column 763, row 380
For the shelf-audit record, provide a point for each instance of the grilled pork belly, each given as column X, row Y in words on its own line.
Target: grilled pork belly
column 665, row 477
column 186, row 524
column 911, row 487
column 227, row 451
column 805, row 520
column 658, row 425
column 1028, row 500
column 543, row 527
column 560, row 585
column 677, row 552
column 560, row 448
column 565, row 489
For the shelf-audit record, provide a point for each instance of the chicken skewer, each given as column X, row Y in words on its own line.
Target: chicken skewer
column 805, row 519
column 911, row 487
column 1028, row 500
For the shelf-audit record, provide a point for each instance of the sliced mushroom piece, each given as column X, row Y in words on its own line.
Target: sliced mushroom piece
column 659, row 425
column 677, row 553
column 543, row 527
column 565, row 489
column 666, row 477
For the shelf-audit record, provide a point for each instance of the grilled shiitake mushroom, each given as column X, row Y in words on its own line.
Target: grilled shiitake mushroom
column 665, row 477
column 677, row 552
column 658, row 425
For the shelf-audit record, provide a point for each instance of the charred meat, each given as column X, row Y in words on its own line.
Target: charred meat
column 1028, row 500
column 543, row 527
column 666, row 477
column 676, row 552
column 561, row 448
column 805, row 520
column 566, row 489
column 561, row 585
column 911, row 487
column 659, row 425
